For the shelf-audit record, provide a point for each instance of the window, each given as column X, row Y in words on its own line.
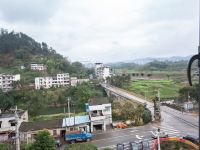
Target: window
column 107, row 108
column 12, row 124
column 54, row 132
column 0, row 123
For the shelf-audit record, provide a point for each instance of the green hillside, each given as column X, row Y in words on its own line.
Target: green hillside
column 18, row 49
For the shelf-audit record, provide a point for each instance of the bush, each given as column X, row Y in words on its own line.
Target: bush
column 79, row 146
column 146, row 116
column 3, row 147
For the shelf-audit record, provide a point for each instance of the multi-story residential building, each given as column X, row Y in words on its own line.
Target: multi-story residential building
column 7, row 80
column 100, row 113
column 8, row 122
column 48, row 82
column 101, row 71
column 38, row 66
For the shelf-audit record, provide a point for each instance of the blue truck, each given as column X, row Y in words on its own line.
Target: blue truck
column 73, row 137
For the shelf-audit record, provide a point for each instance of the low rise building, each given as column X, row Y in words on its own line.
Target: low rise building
column 78, row 123
column 28, row 130
column 8, row 122
column 188, row 105
column 48, row 82
column 38, row 66
column 100, row 113
column 7, row 81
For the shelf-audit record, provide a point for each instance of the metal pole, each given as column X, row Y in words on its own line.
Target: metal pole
column 199, row 66
column 159, row 99
column 17, row 130
column 65, row 116
column 158, row 137
column 74, row 116
column 68, row 109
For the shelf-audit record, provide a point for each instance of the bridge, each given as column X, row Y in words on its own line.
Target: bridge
column 121, row 94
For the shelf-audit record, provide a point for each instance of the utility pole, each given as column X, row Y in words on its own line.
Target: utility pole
column 65, row 116
column 68, row 100
column 159, row 99
column 17, row 130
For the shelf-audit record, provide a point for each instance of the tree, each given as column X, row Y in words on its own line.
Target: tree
column 84, row 146
column 6, row 101
column 191, row 90
column 146, row 116
column 43, row 141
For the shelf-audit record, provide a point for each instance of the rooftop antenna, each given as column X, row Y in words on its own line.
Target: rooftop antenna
column 192, row 59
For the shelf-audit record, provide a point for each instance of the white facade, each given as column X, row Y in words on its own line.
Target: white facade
column 36, row 66
column 188, row 105
column 74, row 81
column 101, row 71
column 7, row 80
column 48, row 82
column 100, row 115
column 7, row 123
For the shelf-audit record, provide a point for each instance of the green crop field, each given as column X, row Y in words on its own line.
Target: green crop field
column 168, row 88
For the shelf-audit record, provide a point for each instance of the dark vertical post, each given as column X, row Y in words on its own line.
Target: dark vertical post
column 199, row 68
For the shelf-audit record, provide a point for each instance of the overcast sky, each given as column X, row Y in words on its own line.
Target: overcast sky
column 107, row 30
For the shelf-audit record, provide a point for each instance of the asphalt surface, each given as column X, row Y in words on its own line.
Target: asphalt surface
column 175, row 123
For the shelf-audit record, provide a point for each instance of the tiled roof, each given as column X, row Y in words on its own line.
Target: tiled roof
column 39, row 125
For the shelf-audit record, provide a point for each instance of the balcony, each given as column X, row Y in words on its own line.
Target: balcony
column 96, row 118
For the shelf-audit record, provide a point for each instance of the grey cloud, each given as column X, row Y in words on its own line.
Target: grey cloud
column 34, row 11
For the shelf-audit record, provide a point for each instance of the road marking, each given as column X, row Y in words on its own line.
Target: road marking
column 133, row 130
column 112, row 138
column 115, row 130
column 139, row 137
column 166, row 129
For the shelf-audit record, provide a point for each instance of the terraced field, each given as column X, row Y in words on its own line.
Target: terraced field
column 149, row 88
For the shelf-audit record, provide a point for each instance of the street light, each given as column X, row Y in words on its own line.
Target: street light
column 158, row 138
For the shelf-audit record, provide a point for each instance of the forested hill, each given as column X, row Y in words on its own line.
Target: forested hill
column 18, row 49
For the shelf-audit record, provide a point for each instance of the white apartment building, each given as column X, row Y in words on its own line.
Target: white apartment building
column 8, row 121
column 101, row 71
column 38, row 66
column 7, row 80
column 100, row 113
column 48, row 82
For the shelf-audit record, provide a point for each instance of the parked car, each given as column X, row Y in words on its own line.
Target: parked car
column 161, row 134
column 136, row 145
column 120, row 146
column 192, row 139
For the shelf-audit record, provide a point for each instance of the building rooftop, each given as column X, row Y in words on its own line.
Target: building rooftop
column 78, row 120
column 11, row 113
column 40, row 125
column 98, row 101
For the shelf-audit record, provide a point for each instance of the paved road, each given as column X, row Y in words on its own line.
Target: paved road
column 174, row 122
column 169, row 124
column 184, row 117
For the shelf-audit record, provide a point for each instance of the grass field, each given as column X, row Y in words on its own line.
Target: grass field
column 168, row 89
